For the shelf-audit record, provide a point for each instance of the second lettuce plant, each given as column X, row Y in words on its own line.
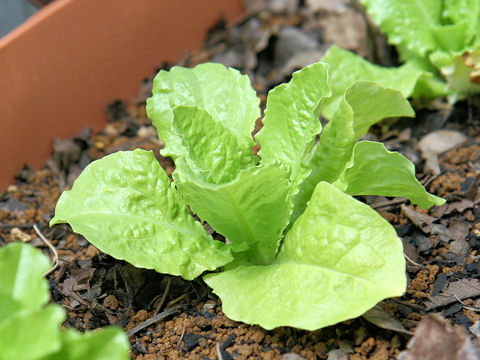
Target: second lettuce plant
column 30, row 328
column 300, row 250
column 438, row 42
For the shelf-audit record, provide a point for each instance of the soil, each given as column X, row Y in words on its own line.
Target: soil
column 169, row 318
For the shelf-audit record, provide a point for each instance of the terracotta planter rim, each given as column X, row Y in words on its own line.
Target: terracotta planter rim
column 66, row 63
column 33, row 21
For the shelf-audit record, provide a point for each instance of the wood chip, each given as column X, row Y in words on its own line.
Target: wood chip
column 461, row 289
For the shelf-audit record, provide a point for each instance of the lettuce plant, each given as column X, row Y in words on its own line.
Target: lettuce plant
column 299, row 250
column 29, row 329
column 438, row 42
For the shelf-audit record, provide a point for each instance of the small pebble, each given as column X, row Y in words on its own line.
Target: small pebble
column 111, row 302
column 18, row 235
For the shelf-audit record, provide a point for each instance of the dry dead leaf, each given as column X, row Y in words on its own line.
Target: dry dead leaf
column 435, row 339
column 292, row 41
column 475, row 329
column 299, row 61
column 459, row 206
column 347, row 30
column 338, row 354
column 288, row 7
column 440, row 141
column 472, row 60
column 459, row 229
column 327, row 5
column 384, row 320
column 425, row 223
column 418, row 219
column 292, row 356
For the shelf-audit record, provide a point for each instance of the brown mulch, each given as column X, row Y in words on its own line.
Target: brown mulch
column 442, row 244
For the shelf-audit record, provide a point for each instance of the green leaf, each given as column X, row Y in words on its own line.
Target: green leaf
column 252, row 210
column 8, row 306
column 452, row 37
column 356, row 113
column 407, row 23
column 31, row 334
column 346, row 68
column 109, row 343
column 430, row 85
column 291, row 119
column 212, row 152
column 28, row 331
column 126, row 206
column 21, row 275
column 339, row 259
column 225, row 94
column 377, row 171
column 467, row 11
column 334, row 149
column 388, row 103
column 418, row 29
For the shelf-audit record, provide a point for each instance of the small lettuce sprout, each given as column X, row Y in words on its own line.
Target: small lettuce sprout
column 30, row 329
column 438, row 42
column 300, row 250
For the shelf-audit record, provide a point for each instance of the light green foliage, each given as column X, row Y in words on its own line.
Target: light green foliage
column 201, row 135
column 347, row 68
column 127, row 207
column 204, row 87
column 108, row 344
column 335, row 262
column 291, row 119
column 351, row 121
column 408, row 19
column 21, row 269
column 246, row 217
column 376, row 171
column 431, row 36
column 30, row 329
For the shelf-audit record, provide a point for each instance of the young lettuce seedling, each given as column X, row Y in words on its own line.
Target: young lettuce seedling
column 30, row 329
column 438, row 42
column 301, row 250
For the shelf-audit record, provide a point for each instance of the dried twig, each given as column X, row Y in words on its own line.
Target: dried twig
column 427, row 182
column 413, row 262
column 472, row 308
column 52, row 249
column 389, row 202
column 406, row 303
column 219, row 351
column 474, row 167
column 20, row 226
column 164, row 296
column 180, row 298
column 154, row 319
column 92, row 305
column 183, row 332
